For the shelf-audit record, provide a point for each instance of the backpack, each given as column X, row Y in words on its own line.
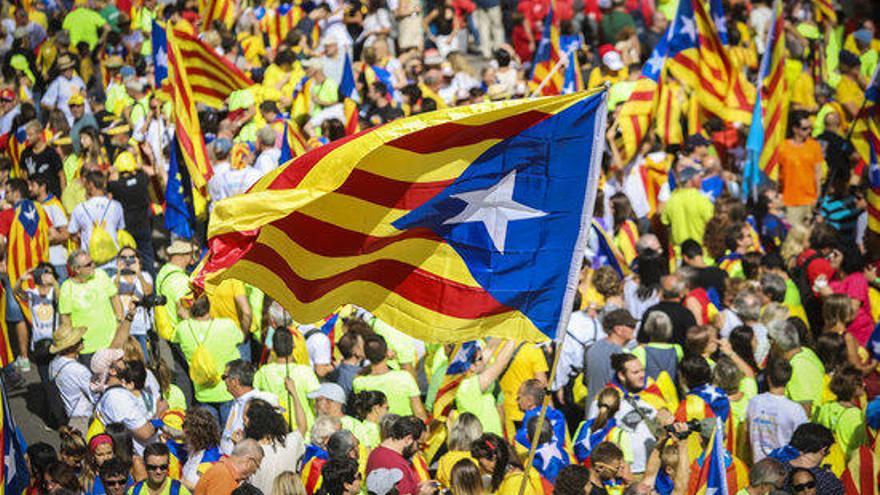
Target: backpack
column 202, row 366
column 97, row 424
column 102, row 246
column 812, row 304
column 56, row 414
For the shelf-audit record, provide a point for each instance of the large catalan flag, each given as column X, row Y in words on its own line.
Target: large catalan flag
column 699, row 59
column 862, row 474
column 450, row 225
column 547, row 57
column 12, row 448
column 188, row 131
column 767, row 131
column 211, row 77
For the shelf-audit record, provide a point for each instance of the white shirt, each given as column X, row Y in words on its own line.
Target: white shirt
column 72, row 380
column 58, row 218
column 278, row 459
column 130, row 288
column 267, row 161
column 7, row 118
column 60, row 90
column 92, row 211
column 583, row 330
column 320, row 349
column 232, row 182
column 118, row 405
column 235, row 420
column 771, row 421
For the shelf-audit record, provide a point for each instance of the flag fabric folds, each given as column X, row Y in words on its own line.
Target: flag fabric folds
column 211, row 77
column 712, row 476
column 28, row 243
column 351, row 98
column 547, row 56
column 862, row 474
column 699, row 59
column 188, row 131
column 277, row 22
column 825, row 12
column 456, row 211
column 293, row 143
column 462, row 359
column 15, row 470
column 871, row 133
column 14, row 148
column 573, row 78
column 179, row 212
column 217, row 10
column 770, row 114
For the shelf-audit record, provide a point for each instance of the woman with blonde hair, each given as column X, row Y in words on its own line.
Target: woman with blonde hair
column 463, row 432
column 288, row 483
column 796, row 242
column 466, row 479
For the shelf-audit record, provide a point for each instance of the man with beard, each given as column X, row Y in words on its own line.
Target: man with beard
column 395, row 453
column 638, row 407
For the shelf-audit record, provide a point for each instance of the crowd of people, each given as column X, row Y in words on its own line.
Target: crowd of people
column 706, row 319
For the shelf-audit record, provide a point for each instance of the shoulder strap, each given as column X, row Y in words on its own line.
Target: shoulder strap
column 55, row 377
column 136, row 489
column 175, row 487
column 311, row 332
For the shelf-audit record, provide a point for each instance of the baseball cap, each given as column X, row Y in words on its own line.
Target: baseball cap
column 382, row 481
column 330, row 391
column 613, row 60
column 76, row 99
column 618, row 317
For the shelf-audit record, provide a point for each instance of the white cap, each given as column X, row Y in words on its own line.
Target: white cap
column 612, row 60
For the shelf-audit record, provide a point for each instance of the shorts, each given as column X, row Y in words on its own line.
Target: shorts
column 13, row 310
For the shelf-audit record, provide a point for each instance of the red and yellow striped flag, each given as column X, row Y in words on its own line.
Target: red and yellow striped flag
column 669, row 110
column 28, row 243
column 217, row 10
column 278, row 22
column 774, row 95
column 187, row 128
column 294, row 233
column 635, row 116
column 547, row 57
column 825, row 12
column 211, row 77
column 350, row 109
column 862, row 474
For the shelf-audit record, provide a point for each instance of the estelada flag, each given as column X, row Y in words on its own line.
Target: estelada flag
column 28, row 243
column 450, row 225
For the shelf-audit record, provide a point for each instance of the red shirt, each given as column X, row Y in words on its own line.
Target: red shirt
column 6, row 218
column 385, row 458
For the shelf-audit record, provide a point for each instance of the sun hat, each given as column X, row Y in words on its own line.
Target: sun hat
column 66, row 337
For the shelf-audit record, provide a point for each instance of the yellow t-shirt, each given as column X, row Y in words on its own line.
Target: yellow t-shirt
column 512, row 481
column 598, row 78
column 849, row 91
column 222, row 299
column 528, row 362
column 445, row 464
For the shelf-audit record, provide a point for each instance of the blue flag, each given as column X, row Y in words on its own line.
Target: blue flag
column 160, row 54
column 15, row 470
column 347, row 85
column 179, row 213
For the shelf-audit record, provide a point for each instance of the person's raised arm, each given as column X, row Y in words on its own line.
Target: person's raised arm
column 494, row 370
column 299, row 413
column 418, row 407
column 123, row 329
column 245, row 315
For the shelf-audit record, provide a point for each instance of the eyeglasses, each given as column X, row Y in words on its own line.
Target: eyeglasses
column 128, row 258
column 804, row 486
column 114, row 482
column 157, row 467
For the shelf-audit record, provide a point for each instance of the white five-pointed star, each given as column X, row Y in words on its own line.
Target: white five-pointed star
column 30, row 213
column 494, row 207
column 655, row 63
column 720, row 24
column 713, row 393
column 876, row 347
column 10, row 464
column 161, row 58
column 548, row 452
column 711, row 491
column 689, row 28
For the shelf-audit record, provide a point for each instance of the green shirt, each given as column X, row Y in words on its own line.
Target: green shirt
column 847, row 423
column 749, row 389
column 613, row 22
column 470, row 398
column 402, row 344
column 807, row 376
column 687, row 212
column 83, row 25
column 88, row 305
column 398, row 387
column 372, row 437
column 176, row 399
column 270, row 378
column 220, row 337
column 173, row 283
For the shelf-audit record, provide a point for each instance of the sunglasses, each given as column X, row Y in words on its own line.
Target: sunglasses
column 157, row 467
column 114, row 482
column 128, row 258
column 804, row 486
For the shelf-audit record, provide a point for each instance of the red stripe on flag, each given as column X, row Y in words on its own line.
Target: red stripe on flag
column 451, row 135
column 332, row 241
column 298, row 169
column 414, row 284
column 389, row 192
column 867, row 483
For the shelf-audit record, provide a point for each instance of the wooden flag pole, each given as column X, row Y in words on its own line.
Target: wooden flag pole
column 541, row 417
column 563, row 59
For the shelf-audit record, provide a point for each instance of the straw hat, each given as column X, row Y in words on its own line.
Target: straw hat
column 65, row 62
column 66, row 337
column 179, row 247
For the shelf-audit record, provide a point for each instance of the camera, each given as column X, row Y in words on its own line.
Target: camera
column 152, row 301
column 693, row 426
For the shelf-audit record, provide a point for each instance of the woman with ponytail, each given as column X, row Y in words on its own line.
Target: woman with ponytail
column 599, row 429
column 497, row 461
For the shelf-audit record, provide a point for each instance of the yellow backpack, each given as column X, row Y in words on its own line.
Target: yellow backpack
column 202, row 367
column 102, row 247
column 97, row 424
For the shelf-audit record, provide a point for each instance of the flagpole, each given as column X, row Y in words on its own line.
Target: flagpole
column 552, row 72
column 543, row 415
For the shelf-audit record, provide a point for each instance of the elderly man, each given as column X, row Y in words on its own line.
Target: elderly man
column 806, row 369
column 89, row 299
column 229, row 472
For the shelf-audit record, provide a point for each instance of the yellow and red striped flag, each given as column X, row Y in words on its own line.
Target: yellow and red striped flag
column 28, row 243
column 276, row 23
column 669, row 110
column 217, row 10
column 871, row 132
column 699, row 59
column 418, row 254
column 352, row 119
column 545, row 63
column 211, row 77
column 825, row 12
column 770, row 114
column 187, row 128
column 862, row 474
